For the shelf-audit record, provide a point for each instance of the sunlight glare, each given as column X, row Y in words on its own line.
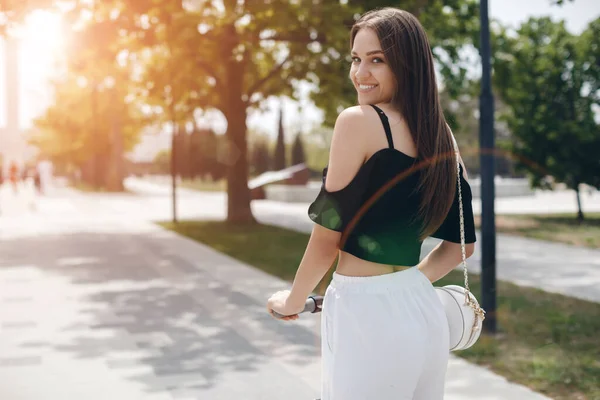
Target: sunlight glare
column 42, row 41
column 42, row 27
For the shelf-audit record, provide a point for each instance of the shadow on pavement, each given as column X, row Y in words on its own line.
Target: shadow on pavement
column 132, row 304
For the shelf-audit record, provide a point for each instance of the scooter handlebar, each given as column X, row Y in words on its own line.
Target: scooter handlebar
column 313, row 305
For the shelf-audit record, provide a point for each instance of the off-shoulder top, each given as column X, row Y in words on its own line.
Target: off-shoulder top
column 377, row 211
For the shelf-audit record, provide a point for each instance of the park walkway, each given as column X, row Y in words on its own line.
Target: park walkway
column 97, row 302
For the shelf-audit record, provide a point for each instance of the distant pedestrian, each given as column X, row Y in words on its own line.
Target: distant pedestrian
column 13, row 175
column 37, row 180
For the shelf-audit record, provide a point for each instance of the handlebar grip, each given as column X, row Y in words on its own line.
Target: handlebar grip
column 313, row 305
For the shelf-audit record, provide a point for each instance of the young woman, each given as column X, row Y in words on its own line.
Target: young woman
column 391, row 182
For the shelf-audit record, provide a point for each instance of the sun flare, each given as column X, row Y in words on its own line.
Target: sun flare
column 41, row 42
column 42, row 32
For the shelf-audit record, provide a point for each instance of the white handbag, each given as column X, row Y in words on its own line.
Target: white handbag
column 465, row 316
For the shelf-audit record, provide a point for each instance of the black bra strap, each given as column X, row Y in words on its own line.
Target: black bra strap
column 386, row 125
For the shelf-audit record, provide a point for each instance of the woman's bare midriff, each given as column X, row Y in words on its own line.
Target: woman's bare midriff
column 353, row 266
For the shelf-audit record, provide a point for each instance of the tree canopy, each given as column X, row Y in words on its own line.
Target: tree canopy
column 549, row 78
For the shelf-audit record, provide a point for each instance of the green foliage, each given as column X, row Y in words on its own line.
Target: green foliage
column 209, row 158
column 261, row 158
column 549, row 78
column 93, row 120
column 197, row 48
column 280, row 153
column 298, row 156
column 84, row 122
column 181, row 144
column 316, row 145
column 197, row 155
column 162, row 162
column 588, row 49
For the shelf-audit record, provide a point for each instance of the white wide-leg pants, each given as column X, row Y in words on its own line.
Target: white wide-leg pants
column 384, row 337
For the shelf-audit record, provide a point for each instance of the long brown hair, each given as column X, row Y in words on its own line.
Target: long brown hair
column 408, row 53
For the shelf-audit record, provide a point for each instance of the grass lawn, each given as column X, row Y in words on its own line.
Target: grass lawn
column 562, row 228
column 204, row 185
column 547, row 341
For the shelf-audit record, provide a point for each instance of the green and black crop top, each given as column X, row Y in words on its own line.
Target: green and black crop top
column 376, row 210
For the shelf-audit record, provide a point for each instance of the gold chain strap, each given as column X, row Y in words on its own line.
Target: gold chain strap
column 468, row 300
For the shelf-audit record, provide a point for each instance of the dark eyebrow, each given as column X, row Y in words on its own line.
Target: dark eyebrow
column 370, row 52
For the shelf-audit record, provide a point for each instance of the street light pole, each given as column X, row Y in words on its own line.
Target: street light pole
column 487, row 161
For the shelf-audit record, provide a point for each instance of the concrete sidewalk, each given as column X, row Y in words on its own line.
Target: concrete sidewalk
column 97, row 306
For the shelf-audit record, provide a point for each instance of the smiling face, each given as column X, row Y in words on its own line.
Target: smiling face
column 370, row 73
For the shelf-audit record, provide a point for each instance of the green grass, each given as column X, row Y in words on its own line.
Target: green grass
column 547, row 341
column 563, row 228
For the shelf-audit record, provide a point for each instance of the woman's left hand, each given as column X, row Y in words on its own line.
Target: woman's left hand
column 279, row 303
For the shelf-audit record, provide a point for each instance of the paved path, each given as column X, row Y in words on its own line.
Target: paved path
column 553, row 267
column 98, row 303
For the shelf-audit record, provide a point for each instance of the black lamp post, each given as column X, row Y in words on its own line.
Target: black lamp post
column 487, row 162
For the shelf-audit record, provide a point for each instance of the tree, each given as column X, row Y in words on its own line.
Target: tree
column 213, row 148
column 78, row 131
column 91, row 114
column 547, row 78
column 589, row 51
column 298, row 156
column 195, row 154
column 259, row 56
column 182, row 151
column 279, row 158
column 161, row 161
column 260, row 157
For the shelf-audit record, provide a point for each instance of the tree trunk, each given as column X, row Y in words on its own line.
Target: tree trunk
column 580, row 217
column 114, row 180
column 238, row 194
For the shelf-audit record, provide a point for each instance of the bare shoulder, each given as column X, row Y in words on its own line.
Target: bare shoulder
column 363, row 113
column 349, row 130
column 355, row 117
column 348, row 147
column 354, row 123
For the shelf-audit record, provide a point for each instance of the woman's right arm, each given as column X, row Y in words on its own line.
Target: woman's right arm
column 443, row 259
column 446, row 255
